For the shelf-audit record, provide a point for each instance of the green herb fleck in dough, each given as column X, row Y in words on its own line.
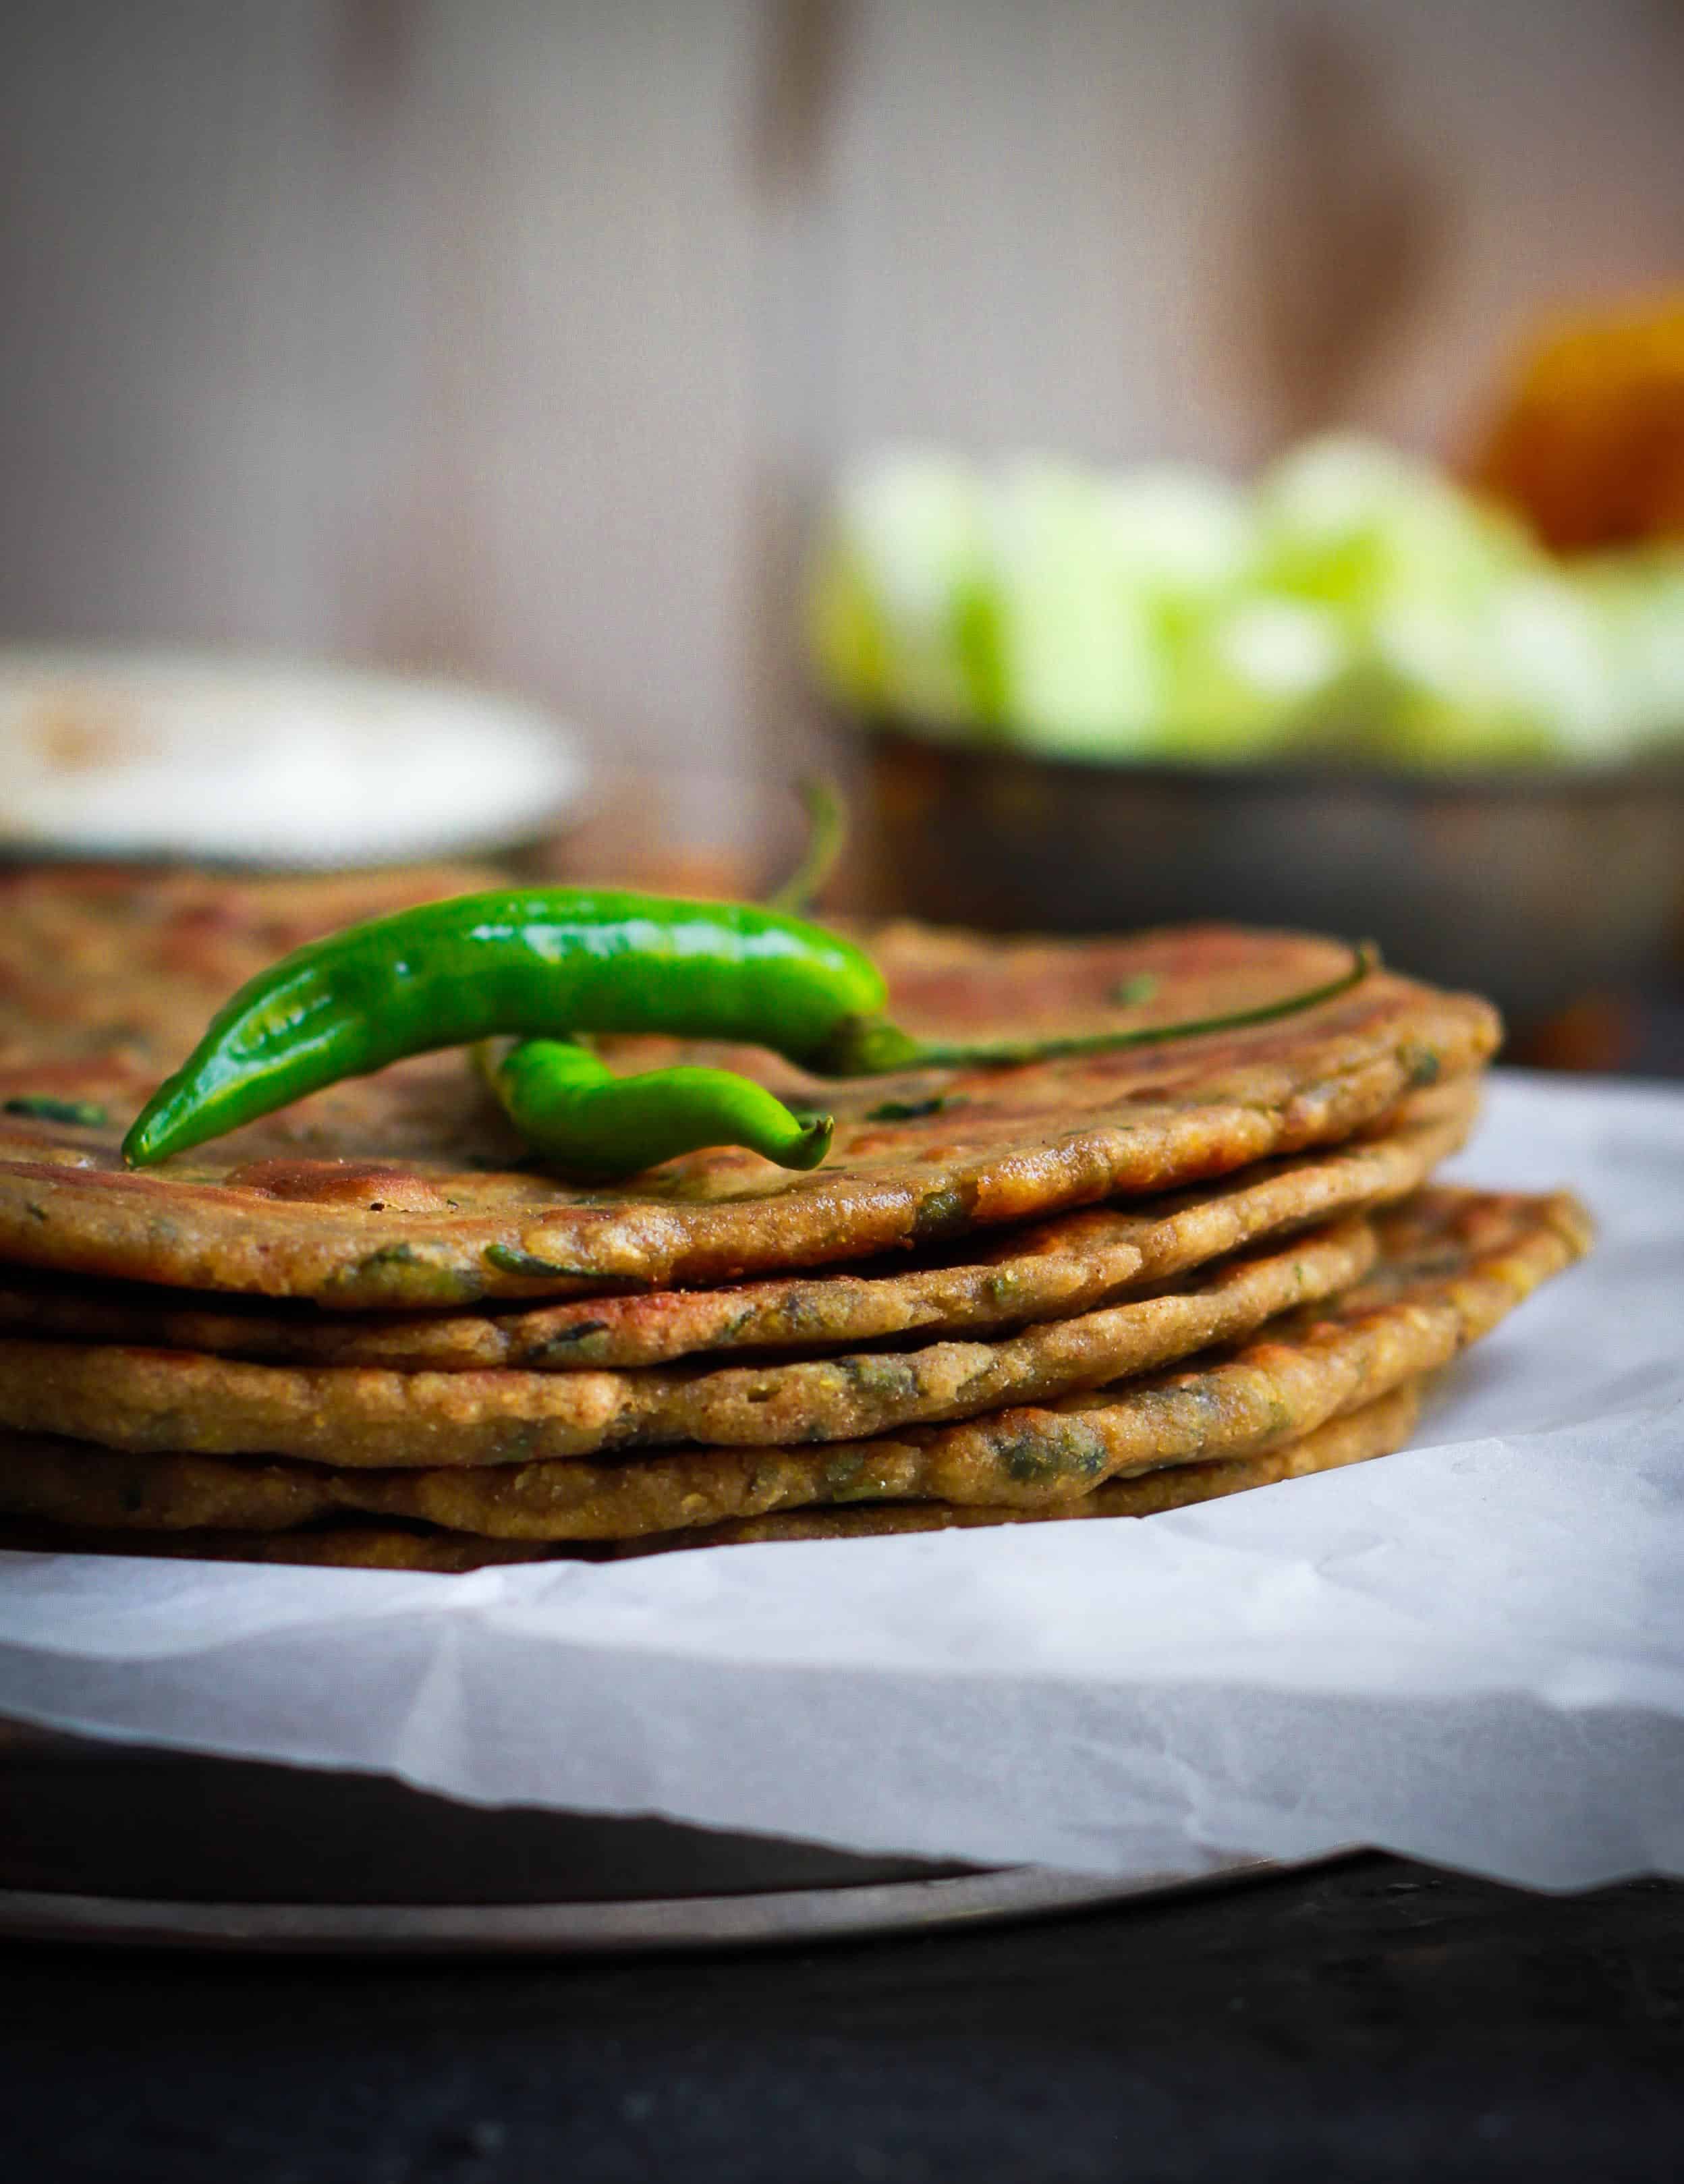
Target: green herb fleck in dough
column 1033, row 1459
column 941, row 1214
column 567, row 1336
column 509, row 1259
column 878, row 1376
column 1133, row 992
column 421, row 1279
column 842, row 1480
column 88, row 1114
column 803, row 1311
column 910, row 1110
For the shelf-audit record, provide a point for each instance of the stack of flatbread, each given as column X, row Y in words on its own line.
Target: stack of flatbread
column 372, row 1330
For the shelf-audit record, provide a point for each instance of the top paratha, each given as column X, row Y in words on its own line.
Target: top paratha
column 400, row 1191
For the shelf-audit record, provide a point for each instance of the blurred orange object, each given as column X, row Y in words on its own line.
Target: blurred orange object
column 1589, row 444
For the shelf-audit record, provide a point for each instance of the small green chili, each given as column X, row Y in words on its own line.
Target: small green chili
column 598, row 1127
column 566, row 1102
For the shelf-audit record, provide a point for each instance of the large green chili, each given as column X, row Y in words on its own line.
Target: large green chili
column 536, row 962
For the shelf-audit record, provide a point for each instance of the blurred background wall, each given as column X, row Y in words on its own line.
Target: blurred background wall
column 515, row 337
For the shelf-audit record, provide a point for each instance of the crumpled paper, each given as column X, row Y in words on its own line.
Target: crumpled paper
column 1471, row 1652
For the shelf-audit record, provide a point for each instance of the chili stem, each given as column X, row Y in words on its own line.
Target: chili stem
column 869, row 1047
column 826, row 836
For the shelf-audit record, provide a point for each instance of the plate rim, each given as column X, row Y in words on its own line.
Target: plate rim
column 629, row 1926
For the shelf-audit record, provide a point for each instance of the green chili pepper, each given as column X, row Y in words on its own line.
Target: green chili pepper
column 539, row 963
column 550, row 962
column 568, row 1104
column 571, row 1108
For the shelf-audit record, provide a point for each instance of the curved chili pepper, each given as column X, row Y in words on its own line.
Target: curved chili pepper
column 539, row 963
column 568, row 1105
column 561, row 961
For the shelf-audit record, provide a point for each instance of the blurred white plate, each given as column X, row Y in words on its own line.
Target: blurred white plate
column 181, row 755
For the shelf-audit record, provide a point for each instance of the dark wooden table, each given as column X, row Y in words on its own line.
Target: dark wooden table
column 1372, row 2020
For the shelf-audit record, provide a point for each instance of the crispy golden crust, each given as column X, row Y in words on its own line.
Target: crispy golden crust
column 1376, row 1431
column 1454, row 1263
column 370, row 1416
column 1074, row 1262
column 345, row 1546
column 399, row 1191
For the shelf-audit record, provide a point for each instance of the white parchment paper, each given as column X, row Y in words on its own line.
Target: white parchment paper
column 1472, row 1652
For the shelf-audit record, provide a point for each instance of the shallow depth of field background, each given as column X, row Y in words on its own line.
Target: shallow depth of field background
column 517, row 337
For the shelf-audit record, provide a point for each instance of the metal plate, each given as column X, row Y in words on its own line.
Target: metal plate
column 784, row 1916
column 116, row 1844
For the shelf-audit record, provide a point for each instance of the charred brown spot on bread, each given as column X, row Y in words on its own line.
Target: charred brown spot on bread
column 378, row 1185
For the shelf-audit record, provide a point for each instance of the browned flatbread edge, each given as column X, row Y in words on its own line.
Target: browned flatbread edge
column 1456, row 1261
column 1383, row 1426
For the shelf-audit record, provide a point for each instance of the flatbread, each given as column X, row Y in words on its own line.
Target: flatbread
column 1454, row 1263
column 369, row 1416
column 400, row 1192
column 1376, row 1430
column 351, row 1546
column 1074, row 1262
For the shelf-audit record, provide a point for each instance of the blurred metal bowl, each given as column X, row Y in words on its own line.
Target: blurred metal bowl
column 1535, row 888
